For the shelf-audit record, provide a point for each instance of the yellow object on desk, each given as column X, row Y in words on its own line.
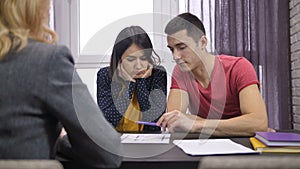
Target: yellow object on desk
column 261, row 147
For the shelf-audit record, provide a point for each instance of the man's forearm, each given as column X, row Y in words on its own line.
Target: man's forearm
column 244, row 125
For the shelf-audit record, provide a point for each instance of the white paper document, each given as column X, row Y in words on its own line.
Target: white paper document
column 212, row 147
column 145, row 138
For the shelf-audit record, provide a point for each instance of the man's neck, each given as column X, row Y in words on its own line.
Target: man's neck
column 203, row 72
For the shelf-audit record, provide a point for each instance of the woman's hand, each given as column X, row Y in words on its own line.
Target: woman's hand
column 145, row 74
column 123, row 73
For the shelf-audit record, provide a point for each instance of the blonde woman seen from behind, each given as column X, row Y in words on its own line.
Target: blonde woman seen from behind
column 40, row 89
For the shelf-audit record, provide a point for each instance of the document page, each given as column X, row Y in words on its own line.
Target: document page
column 212, row 147
column 145, row 138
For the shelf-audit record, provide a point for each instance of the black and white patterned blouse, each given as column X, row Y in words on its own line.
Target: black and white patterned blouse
column 151, row 93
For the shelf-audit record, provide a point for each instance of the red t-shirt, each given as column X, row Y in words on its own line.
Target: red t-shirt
column 221, row 98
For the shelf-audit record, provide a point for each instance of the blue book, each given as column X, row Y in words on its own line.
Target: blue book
column 278, row 138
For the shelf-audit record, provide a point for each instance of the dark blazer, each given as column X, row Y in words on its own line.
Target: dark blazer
column 40, row 88
column 151, row 94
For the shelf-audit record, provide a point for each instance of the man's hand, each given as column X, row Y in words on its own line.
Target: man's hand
column 177, row 121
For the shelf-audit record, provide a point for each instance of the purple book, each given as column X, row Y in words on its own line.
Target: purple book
column 278, row 138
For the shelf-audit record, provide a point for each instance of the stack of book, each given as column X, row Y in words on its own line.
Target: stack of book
column 276, row 142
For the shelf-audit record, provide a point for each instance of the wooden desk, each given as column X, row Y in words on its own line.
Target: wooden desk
column 159, row 156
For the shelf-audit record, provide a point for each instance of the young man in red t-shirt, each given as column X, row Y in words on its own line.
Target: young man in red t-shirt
column 221, row 92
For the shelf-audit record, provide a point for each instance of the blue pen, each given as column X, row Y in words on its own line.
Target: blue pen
column 146, row 123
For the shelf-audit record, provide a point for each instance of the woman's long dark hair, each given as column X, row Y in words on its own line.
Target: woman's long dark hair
column 127, row 37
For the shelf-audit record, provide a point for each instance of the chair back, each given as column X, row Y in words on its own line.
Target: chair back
column 30, row 164
column 250, row 162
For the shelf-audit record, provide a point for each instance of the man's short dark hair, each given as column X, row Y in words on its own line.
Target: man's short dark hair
column 186, row 21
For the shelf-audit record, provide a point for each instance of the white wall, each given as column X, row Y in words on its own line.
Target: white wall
column 89, row 77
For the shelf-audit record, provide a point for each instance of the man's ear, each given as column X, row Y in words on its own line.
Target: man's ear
column 203, row 42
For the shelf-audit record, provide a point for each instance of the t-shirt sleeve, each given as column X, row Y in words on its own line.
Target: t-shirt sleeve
column 178, row 79
column 244, row 74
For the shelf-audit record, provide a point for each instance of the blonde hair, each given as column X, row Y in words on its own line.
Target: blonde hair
column 23, row 19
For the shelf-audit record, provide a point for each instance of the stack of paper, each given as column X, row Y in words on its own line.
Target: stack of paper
column 145, row 138
column 212, row 147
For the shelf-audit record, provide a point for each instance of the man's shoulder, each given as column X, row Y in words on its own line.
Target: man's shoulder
column 229, row 58
column 230, row 61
